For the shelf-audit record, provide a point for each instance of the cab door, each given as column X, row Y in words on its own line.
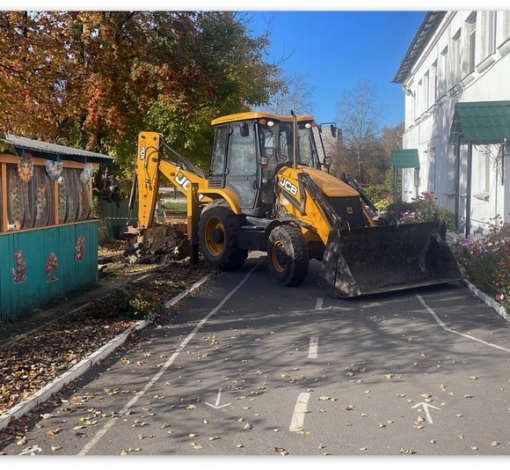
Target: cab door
column 234, row 163
column 241, row 165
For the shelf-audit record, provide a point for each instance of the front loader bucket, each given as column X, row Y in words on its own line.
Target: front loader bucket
column 386, row 258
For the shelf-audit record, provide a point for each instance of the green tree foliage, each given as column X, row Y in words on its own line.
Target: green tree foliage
column 94, row 80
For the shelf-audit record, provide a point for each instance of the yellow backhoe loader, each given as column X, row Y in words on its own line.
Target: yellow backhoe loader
column 267, row 191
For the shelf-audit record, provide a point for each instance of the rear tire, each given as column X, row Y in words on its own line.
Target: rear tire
column 287, row 254
column 217, row 232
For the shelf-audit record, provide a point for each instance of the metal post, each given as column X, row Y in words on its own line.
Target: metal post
column 193, row 216
column 294, row 139
column 395, row 185
column 468, row 191
column 457, row 183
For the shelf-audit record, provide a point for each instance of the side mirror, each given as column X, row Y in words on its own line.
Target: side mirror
column 333, row 130
column 244, row 129
column 327, row 162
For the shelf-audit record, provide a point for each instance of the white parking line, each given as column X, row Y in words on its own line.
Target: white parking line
column 298, row 418
column 313, row 347
column 444, row 327
column 168, row 363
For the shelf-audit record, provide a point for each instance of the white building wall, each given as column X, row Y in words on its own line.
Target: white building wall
column 444, row 74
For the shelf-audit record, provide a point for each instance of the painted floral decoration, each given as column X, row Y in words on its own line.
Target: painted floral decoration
column 19, row 272
column 26, row 167
column 51, row 267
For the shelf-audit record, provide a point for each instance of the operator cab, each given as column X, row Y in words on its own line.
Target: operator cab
column 250, row 148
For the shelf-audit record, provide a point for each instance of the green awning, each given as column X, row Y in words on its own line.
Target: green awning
column 482, row 122
column 405, row 158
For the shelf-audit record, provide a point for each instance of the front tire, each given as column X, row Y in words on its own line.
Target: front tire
column 217, row 232
column 287, row 254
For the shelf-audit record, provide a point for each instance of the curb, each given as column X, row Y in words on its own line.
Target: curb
column 499, row 309
column 84, row 365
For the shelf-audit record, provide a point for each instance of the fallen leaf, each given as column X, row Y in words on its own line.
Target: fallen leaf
column 407, row 451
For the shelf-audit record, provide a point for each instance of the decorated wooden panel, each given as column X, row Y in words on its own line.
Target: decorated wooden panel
column 45, row 264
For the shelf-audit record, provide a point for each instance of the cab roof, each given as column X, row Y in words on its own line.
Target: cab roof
column 258, row 115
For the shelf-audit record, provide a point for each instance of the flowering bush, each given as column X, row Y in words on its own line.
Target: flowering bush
column 487, row 260
column 421, row 209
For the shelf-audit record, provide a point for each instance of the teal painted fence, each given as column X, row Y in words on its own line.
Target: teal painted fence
column 115, row 217
column 41, row 265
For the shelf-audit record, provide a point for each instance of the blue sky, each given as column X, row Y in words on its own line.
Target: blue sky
column 335, row 48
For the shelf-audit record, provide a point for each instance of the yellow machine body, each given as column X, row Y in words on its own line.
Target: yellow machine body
column 268, row 191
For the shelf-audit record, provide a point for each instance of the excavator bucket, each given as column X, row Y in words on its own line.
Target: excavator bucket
column 387, row 258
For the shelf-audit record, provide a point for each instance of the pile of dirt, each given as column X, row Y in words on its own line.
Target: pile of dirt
column 163, row 244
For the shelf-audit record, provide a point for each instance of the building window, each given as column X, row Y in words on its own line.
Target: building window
column 493, row 23
column 455, row 70
column 471, row 43
column 489, row 23
column 426, row 89
column 433, row 82
column 443, row 72
column 506, row 26
column 419, row 98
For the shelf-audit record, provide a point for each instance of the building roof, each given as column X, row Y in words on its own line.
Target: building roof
column 55, row 151
column 422, row 37
column 482, row 122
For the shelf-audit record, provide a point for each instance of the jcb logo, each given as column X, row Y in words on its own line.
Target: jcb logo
column 182, row 181
column 288, row 186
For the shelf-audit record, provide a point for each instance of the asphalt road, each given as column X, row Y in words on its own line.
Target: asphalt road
column 251, row 368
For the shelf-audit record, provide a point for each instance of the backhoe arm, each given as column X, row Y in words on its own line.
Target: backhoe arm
column 150, row 164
